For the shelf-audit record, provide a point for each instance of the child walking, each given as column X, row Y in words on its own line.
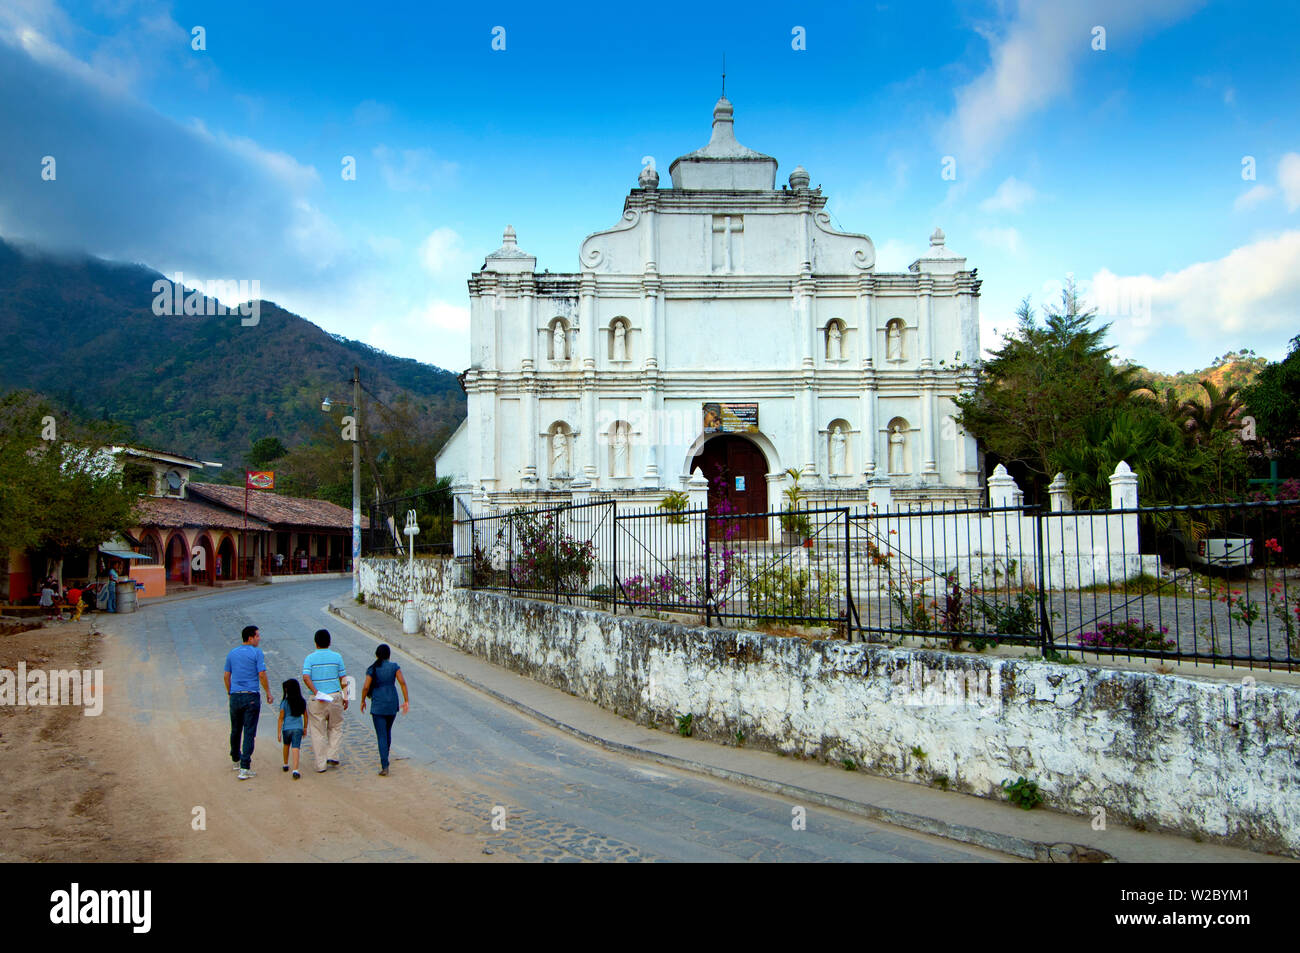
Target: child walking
column 47, row 600
column 289, row 726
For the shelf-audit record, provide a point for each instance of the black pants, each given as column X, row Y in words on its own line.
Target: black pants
column 245, row 707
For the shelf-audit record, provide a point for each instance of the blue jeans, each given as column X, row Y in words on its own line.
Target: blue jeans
column 110, row 604
column 384, row 734
column 245, row 708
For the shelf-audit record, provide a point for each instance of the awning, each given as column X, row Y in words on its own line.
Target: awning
column 122, row 553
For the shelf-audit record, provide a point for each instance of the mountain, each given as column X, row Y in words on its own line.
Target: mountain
column 83, row 332
column 1234, row 368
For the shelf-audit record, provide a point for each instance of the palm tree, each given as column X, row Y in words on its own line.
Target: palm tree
column 1218, row 412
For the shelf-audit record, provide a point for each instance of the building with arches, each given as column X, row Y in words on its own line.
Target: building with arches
column 725, row 325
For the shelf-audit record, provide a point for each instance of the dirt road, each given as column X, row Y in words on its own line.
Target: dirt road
column 157, row 786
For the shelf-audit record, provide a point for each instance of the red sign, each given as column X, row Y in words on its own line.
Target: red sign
column 259, row 479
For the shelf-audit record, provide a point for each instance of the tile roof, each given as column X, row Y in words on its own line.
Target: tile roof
column 169, row 511
column 277, row 509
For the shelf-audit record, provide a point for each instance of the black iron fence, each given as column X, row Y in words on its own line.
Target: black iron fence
column 1211, row 583
column 388, row 518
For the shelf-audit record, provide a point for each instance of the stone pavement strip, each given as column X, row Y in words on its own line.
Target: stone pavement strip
column 1042, row 835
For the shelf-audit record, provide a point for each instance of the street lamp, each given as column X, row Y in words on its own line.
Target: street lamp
column 410, row 614
column 325, row 405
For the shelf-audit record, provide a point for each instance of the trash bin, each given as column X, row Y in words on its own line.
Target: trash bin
column 126, row 601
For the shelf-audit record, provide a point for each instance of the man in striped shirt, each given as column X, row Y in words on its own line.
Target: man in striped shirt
column 323, row 672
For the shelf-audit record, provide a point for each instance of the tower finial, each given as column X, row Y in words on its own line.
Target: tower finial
column 724, row 75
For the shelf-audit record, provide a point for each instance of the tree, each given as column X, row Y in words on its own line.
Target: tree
column 1273, row 399
column 265, row 451
column 61, row 494
column 1218, row 412
column 1172, row 466
column 1036, row 394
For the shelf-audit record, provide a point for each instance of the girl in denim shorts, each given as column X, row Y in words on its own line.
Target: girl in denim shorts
column 288, row 728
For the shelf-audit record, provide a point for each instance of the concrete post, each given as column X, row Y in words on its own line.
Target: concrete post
column 1003, row 489
column 879, row 495
column 1123, row 488
column 697, row 488
column 1059, row 494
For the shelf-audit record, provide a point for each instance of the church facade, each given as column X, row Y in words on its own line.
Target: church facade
column 722, row 325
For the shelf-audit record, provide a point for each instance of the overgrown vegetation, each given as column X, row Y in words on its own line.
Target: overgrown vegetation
column 1023, row 793
column 62, row 494
column 1051, row 400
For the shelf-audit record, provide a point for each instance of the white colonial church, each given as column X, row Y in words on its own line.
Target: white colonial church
column 720, row 325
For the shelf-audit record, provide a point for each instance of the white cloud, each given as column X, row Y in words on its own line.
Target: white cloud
column 436, row 332
column 1004, row 239
column 1033, row 61
column 893, row 255
column 1288, row 177
column 1011, row 196
column 1244, row 299
column 1252, row 197
column 445, row 316
column 281, row 165
column 413, row 170
column 441, row 253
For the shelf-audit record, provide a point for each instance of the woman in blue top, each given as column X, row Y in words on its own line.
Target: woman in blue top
column 382, row 679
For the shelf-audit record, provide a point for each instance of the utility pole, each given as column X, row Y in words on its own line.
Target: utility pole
column 356, row 482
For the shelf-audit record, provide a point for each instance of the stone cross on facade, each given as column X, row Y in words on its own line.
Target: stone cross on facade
column 725, row 229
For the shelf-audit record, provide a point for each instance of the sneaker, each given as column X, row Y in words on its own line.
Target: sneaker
column 296, row 775
column 320, row 770
column 284, row 767
column 246, row 773
column 331, row 761
column 383, row 772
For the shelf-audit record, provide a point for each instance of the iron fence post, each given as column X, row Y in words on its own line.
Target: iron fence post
column 613, row 576
column 555, row 556
column 708, row 582
column 1044, row 624
column 849, row 609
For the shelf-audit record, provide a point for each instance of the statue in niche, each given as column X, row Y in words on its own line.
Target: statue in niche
column 559, row 454
column 559, row 345
column 897, row 442
column 620, row 341
column 894, row 340
column 839, row 452
column 620, row 450
column 834, row 342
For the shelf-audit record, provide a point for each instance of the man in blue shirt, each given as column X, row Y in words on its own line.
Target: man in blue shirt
column 323, row 672
column 245, row 667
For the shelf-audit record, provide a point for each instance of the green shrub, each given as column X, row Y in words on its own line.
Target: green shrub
column 786, row 592
column 673, row 504
column 1023, row 793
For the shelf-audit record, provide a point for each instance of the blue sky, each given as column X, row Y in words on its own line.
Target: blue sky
column 1122, row 166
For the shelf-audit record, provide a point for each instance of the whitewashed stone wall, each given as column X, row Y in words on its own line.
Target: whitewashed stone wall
column 1199, row 757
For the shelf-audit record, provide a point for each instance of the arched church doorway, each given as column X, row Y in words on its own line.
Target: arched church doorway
column 737, row 473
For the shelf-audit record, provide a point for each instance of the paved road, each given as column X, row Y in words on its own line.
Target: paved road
column 564, row 800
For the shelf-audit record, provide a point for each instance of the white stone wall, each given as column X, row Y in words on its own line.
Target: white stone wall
column 1199, row 757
